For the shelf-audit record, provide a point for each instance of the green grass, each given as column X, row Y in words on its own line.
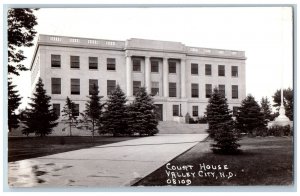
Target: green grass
column 263, row 161
column 20, row 148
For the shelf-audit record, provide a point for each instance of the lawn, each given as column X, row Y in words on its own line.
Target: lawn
column 20, row 148
column 263, row 161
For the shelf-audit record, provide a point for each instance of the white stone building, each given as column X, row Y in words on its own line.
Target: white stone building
column 180, row 77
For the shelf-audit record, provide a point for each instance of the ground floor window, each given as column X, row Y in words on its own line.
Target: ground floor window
column 195, row 110
column 175, row 110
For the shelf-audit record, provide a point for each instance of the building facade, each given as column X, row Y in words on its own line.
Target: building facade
column 179, row 77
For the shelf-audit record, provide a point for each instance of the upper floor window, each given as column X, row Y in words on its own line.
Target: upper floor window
column 194, row 69
column 136, row 87
column 74, row 61
column 195, row 90
column 75, row 86
column 172, row 67
column 154, row 66
column 93, row 62
column 235, row 91
column 222, row 90
column 111, row 86
column 234, row 71
column 208, row 90
column 172, row 89
column 136, row 65
column 221, row 70
column 208, row 69
column 111, row 63
column 55, row 85
column 55, row 60
column 93, row 84
column 154, row 88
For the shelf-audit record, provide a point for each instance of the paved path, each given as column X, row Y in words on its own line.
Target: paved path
column 117, row 164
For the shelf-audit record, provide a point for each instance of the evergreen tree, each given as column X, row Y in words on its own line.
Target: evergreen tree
column 93, row 111
column 20, row 33
column 288, row 101
column 69, row 114
column 40, row 119
column 266, row 109
column 217, row 112
column 249, row 116
column 14, row 100
column 115, row 117
column 221, row 125
column 141, row 114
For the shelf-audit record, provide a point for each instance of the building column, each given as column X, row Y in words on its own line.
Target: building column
column 147, row 75
column 165, row 77
column 128, row 76
column 182, row 78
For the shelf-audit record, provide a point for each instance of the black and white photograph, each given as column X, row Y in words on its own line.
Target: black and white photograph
column 148, row 96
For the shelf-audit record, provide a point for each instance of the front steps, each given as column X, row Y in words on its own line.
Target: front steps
column 172, row 127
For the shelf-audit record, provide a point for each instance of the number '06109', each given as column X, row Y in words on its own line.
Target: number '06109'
column 179, row 182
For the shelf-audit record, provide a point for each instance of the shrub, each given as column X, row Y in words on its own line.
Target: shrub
column 280, row 131
column 202, row 120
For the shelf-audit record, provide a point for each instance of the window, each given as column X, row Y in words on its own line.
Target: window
column 194, row 69
column 154, row 66
column 111, row 63
column 93, row 62
column 56, row 108
column 154, row 88
column 111, row 86
column 195, row 90
column 195, row 110
column 235, row 110
column 76, row 108
column 207, row 69
column 172, row 67
column 55, row 60
column 221, row 70
column 92, row 83
column 75, row 86
column 172, row 89
column 136, row 87
column 136, row 65
column 74, row 61
column 56, row 85
column 222, row 90
column 235, row 92
column 175, row 110
column 234, row 71
column 208, row 90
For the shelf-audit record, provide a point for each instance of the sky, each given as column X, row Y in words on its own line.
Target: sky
column 264, row 33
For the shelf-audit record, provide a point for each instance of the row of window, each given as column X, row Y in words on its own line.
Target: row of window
column 111, row 84
column 195, row 113
column 136, row 65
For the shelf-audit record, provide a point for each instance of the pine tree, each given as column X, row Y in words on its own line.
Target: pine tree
column 20, row 33
column 221, row 125
column 69, row 114
column 14, row 100
column 115, row 117
column 40, row 119
column 249, row 116
column 266, row 109
column 217, row 112
column 93, row 111
column 141, row 114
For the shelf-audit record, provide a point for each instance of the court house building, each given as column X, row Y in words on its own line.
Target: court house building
column 179, row 77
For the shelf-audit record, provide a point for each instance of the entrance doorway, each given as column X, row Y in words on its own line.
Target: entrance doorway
column 159, row 111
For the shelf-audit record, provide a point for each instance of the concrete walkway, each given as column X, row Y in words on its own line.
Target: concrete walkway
column 117, row 164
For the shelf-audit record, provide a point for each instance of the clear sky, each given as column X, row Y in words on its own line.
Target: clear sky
column 264, row 33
